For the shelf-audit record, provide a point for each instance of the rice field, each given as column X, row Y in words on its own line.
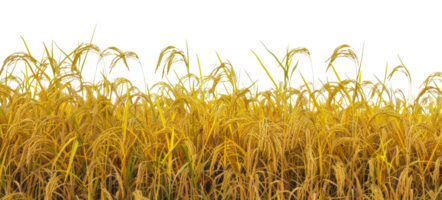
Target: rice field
column 208, row 137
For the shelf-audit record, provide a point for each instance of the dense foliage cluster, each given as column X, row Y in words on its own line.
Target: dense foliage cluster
column 110, row 140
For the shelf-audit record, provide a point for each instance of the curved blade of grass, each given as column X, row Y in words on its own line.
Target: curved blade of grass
column 285, row 73
column 13, row 69
column 61, row 88
column 191, row 169
column 24, row 72
column 287, row 47
column 182, row 169
column 376, row 77
column 169, row 158
column 2, row 112
column 25, row 44
column 294, row 68
column 386, row 68
column 432, row 154
column 52, row 49
column 91, row 40
column 178, row 78
column 199, row 66
column 188, row 55
column 48, row 55
column 66, row 54
column 161, row 114
column 247, row 73
column 320, row 80
column 360, row 72
column 274, row 56
column 126, row 111
column 80, row 61
column 62, row 149
column 26, row 65
column 1, row 168
column 264, row 68
column 71, row 159
column 170, row 151
column 52, row 54
column 50, row 59
column 128, row 171
column 204, row 147
column 335, row 72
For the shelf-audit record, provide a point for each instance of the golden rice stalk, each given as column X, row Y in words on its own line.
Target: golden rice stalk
column 109, row 140
column 139, row 196
column 371, row 169
column 431, row 78
column 51, row 185
column 340, row 177
column 303, row 51
column 80, row 50
column 376, row 192
column 233, row 83
column 166, row 58
column 15, row 57
column 342, row 51
column 140, row 175
column 105, row 193
column 404, row 70
column 119, row 55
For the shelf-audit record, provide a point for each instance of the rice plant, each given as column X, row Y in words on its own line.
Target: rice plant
column 63, row 137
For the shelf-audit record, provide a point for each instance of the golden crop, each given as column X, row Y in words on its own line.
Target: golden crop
column 350, row 139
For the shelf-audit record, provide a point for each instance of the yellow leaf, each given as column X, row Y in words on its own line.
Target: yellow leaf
column 62, row 149
column 264, row 68
column 3, row 162
column 74, row 149
column 161, row 114
column 62, row 87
